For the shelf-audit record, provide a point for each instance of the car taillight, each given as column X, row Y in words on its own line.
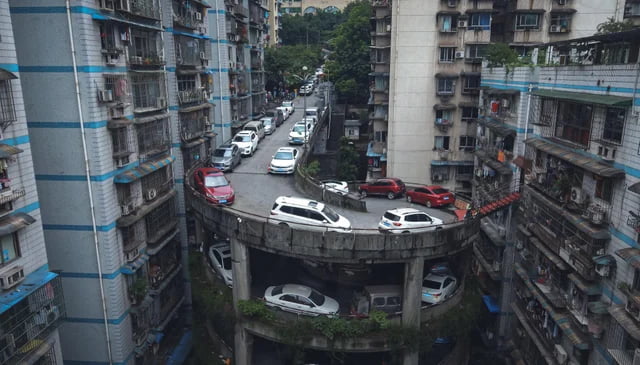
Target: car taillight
column 397, row 224
column 437, row 295
column 273, row 213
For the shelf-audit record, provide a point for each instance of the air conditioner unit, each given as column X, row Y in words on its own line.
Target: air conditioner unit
column 576, row 195
column 560, row 354
column 437, row 177
column 127, row 208
column 150, row 194
column 132, row 254
column 462, row 23
column 122, row 161
column 198, row 16
column 116, row 112
column 459, row 54
column 161, row 102
column 105, row 95
column 112, row 60
column 452, row 3
column 11, row 277
column 555, row 29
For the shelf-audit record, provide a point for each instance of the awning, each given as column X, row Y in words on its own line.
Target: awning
column 529, row 11
column 32, row 282
column 119, row 123
column 7, row 75
column 151, row 118
column 604, row 260
column 447, row 75
column 451, row 163
column 550, row 255
column 620, row 315
column 98, row 16
column 585, row 162
column 499, row 167
column 635, row 188
column 444, row 106
column 14, row 222
column 7, row 151
column 563, row 10
column 498, row 127
column 142, row 170
column 610, row 100
column 585, row 287
column 631, row 256
column 522, row 163
column 195, row 142
column 491, row 304
column 195, row 108
column 132, row 267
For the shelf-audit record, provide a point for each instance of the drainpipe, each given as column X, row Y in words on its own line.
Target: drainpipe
column 220, row 71
column 96, row 242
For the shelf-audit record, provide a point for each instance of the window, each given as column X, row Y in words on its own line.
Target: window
column 614, row 125
column 447, row 54
column 380, row 136
column 440, row 173
column 448, row 23
column 380, row 56
column 443, row 117
column 107, row 37
column 480, row 21
column 560, row 23
column 9, row 248
column 467, row 143
column 153, row 137
column 476, row 50
column 148, row 91
column 469, row 113
column 441, row 143
column 464, row 170
column 604, row 189
column 573, row 122
column 546, row 112
column 446, row 86
column 471, row 84
column 120, row 142
column 7, row 110
column 527, row 21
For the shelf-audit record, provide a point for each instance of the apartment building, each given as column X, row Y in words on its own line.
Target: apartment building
column 632, row 11
column 32, row 305
column 435, row 57
column 573, row 288
column 275, row 23
column 313, row 6
column 119, row 100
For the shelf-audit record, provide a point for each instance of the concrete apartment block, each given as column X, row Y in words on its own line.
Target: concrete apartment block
column 313, row 6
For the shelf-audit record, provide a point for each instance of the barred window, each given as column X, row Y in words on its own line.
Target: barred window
column 148, row 91
column 153, row 137
column 7, row 109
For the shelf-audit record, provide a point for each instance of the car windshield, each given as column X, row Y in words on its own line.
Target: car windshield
column 221, row 153
column 431, row 284
column 440, row 191
column 266, row 122
column 287, row 103
column 283, row 156
column 392, row 217
column 226, row 263
column 298, row 128
column 215, row 181
column 242, row 139
column 316, row 298
column 330, row 214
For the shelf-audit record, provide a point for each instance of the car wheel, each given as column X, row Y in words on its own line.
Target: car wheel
column 428, row 204
column 405, row 232
column 363, row 193
column 391, row 196
column 409, row 200
column 283, row 224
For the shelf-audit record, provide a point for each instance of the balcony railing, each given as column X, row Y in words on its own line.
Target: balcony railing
column 10, row 194
column 145, row 8
column 633, row 221
column 191, row 128
column 240, row 10
column 191, row 96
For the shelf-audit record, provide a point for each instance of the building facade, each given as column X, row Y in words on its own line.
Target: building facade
column 435, row 56
column 572, row 291
column 313, row 6
column 32, row 305
column 275, row 22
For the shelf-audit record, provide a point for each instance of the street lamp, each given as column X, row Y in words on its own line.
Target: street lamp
column 305, row 79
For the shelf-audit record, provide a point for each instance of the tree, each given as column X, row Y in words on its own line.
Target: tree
column 613, row 26
column 348, row 66
column 309, row 29
column 347, row 160
column 500, row 54
column 282, row 63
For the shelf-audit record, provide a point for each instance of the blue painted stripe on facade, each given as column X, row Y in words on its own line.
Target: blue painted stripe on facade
column 67, row 125
column 219, row 11
column 504, row 87
column 563, row 86
column 222, row 125
column 27, row 208
column 171, row 69
column 83, row 275
column 223, row 41
column 179, row 181
column 84, row 69
column 16, row 140
column 11, row 67
column 607, row 292
column 114, row 321
column 78, row 227
column 221, row 98
column 603, row 352
column 186, row 34
column 623, row 237
column 102, row 177
column 174, row 107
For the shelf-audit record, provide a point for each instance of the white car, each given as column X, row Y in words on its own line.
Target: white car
column 285, row 112
column 300, row 299
column 307, row 214
column 298, row 134
column 437, row 288
column 247, row 142
column 408, row 220
column 289, row 105
column 310, row 120
column 220, row 258
column 309, row 123
column 338, row 187
column 284, row 161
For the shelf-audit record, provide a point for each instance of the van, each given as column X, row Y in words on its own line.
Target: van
column 277, row 115
column 385, row 298
column 255, row 126
column 312, row 113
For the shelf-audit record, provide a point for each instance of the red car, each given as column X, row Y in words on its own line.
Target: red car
column 390, row 187
column 214, row 185
column 431, row 196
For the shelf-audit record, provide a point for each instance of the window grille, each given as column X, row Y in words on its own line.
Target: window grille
column 7, row 108
column 153, row 137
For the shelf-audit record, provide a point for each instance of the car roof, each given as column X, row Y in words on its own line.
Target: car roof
column 437, row 277
column 285, row 149
column 434, row 187
column 244, row 133
column 404, row 211
column 210, row 171
column 301, row 202
column 296, row 289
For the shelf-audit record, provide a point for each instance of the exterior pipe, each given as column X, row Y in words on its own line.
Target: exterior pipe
column 96, row 242
column 220, row 72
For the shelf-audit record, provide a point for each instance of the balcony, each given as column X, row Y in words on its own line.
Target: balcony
column 161, row 219
column 240, row 11
column 144, row 8
column 8, row 194
column 192, row 126
column 489, row 259
column 443, row 124
column 198, row 95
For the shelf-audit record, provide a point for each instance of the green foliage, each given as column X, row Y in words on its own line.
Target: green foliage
column 313, row 168
column 348, row 158
column 348, row 66
column 139, row 288
column 283, row 62
column 379, row 319
column 500, row 54
column 613, row 26
column 255, row 309
column 309, row 29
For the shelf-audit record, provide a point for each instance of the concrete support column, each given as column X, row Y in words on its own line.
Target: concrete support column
column 200, row 233
column 411, row 301
column 241, row 271
column 243, row 346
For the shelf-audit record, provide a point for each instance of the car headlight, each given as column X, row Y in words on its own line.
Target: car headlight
column 209, row 195
column 228, row 163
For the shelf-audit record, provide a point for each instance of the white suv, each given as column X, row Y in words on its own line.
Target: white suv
column 247, row 142
column 408, row 220
column 307, row 214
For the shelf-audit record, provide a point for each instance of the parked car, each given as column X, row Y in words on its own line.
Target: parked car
column 255, row 126
column 307, row 214
column 385, row 298
column 300, row 299
column 298, row 134
column 338, row 187
column 220, row 259
column 407, row 220
column 437, row 288
column 212, row 183
column 269, row 125
column 247, row 141
column 312, row 113
column 285, row 112
column 284, row 161
column 431, row 196
column 289, row 105
column 277, row 115
column 226, row 157
column 389, row 187
column 308, row 123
